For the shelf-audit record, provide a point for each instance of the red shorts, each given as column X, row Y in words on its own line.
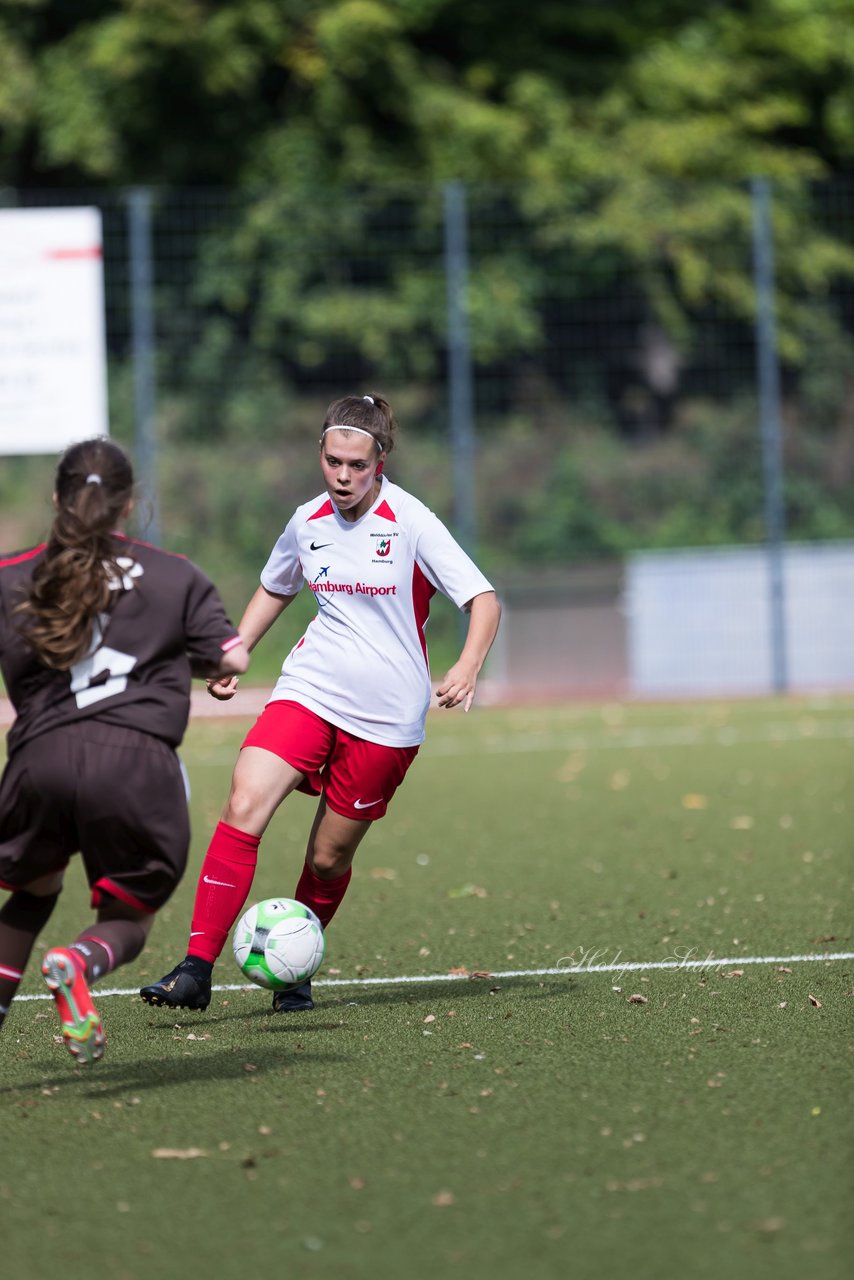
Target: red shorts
column 358, row 778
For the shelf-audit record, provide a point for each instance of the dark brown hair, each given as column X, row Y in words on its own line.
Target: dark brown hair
column 71, row 585
column 370, row 413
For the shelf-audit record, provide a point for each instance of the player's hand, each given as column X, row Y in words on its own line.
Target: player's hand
column 458, row 687
column 223, row 688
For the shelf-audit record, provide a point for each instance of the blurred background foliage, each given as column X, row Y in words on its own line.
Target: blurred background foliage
column 297, row 151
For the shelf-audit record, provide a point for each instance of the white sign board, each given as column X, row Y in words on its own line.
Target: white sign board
column 53, row 368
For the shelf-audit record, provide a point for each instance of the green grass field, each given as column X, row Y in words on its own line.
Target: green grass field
column 689, row 1120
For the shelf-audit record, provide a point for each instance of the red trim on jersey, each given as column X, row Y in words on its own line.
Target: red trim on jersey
column 138, row 542
column 105, row 886
column 386, row 512
column 324, row 510
column 24, row 555
column 64, row 254
column 422, row 593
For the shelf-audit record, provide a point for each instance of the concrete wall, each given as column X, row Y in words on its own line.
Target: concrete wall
column 698, row 621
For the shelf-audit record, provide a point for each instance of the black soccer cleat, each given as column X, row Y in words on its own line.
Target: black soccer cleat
column 180, row 989
column 294, row 1000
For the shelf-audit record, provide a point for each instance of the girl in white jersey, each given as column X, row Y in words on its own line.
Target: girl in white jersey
column 347, row 715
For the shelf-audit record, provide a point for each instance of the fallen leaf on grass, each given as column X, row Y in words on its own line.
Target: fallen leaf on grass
column 383, row 873
column 735, row 973
column 637, row 998
column 460, row 970
column 179, row 1153
column 743, row 823
column 480, row 973
column 633, row 1184
column 814, row 1001
column 767, row 1225
column 693, row 801
column 443, row 1198
column 468, row 891
column 782, row 969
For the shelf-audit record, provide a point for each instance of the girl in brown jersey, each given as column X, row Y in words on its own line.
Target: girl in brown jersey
column 99, row 636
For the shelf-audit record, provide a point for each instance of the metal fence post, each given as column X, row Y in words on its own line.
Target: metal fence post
column 768, row 369
column 142, row 340
column 460, row 377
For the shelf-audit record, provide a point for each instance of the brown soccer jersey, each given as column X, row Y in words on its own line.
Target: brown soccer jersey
column 166, row 623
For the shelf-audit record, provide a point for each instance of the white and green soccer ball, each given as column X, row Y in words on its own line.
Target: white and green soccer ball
column 278, row 943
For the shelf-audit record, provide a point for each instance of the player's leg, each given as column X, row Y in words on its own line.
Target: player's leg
column 117, row 937
column 323, row 882
column 358, row 786
column 36, row 842
column 260, row 783
column 326, row 874
column 23, row 916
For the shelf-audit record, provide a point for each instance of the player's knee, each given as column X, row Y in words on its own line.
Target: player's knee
column 328, row 859
column 245, row 808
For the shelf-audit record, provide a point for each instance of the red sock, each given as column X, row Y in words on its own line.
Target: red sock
column 323, row 896
column 226, row 878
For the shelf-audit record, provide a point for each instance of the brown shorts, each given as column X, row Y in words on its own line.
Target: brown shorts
column 114, row 795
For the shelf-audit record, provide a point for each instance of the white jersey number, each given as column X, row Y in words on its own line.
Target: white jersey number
column 97, row 661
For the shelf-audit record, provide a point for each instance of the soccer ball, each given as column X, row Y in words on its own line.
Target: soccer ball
column 278, row 943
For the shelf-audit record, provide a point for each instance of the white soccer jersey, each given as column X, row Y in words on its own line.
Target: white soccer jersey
column 362, row 662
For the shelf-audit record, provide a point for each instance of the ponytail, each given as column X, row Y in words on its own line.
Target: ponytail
column 72, row 584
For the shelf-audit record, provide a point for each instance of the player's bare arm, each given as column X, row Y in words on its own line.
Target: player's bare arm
column 258, row 617
column 460, row 683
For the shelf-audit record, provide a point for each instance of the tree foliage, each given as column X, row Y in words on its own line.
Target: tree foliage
column 622, row 137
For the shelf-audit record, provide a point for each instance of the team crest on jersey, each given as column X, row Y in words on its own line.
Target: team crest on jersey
column 382, row 548
column 129, row 570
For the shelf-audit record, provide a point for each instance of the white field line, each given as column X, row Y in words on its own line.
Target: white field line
column 642, row 966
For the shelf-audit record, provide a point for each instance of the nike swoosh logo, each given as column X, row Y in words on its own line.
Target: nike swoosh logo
column 318, row 546
column 196, row 933
column 222, row 883
column 367, row 804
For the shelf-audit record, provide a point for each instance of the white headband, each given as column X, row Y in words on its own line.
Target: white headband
column 341, row 426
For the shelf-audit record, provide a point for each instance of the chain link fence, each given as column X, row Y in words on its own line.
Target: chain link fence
column 608, row 357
